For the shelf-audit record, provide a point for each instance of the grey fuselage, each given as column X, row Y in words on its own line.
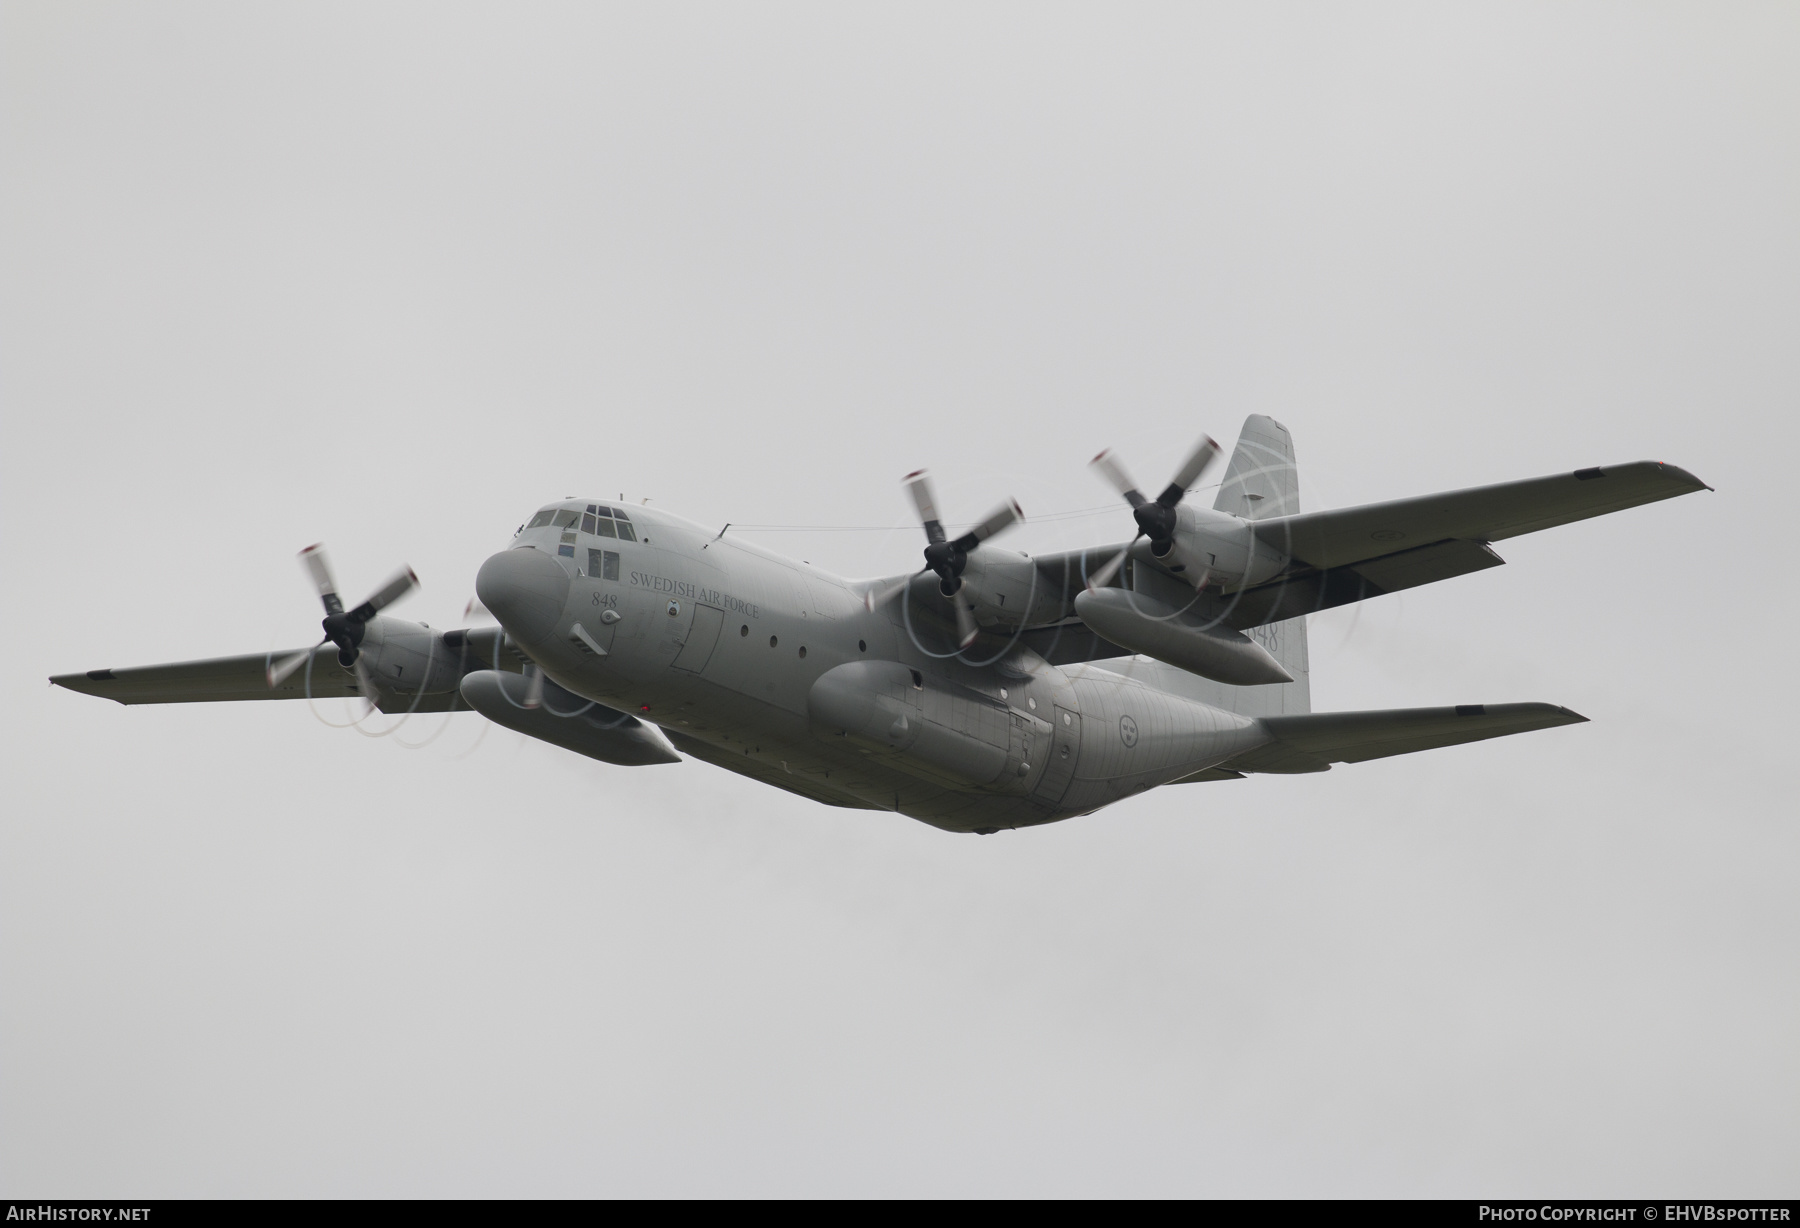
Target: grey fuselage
column 777, row 670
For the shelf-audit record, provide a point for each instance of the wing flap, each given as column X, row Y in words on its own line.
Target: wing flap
column 1427, row 564
column 1345, row 536
column 1312, row 743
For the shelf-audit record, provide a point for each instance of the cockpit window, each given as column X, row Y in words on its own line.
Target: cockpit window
column 565, row 517
column 625, row 530
column 603, row 527
column 542, row 518
column 621, row 515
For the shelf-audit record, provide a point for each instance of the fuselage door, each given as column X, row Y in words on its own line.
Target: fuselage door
column 701, row 636
column 1065, row 749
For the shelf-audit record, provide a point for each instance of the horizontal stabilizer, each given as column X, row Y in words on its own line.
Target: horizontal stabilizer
column 1312, row 743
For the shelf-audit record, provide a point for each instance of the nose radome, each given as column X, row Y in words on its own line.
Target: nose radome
column 525, row 589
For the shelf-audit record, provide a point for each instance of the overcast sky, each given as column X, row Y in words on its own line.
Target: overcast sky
column 392, row 276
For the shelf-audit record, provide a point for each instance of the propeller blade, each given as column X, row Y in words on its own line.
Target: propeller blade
column 1103, row 577
column 918, row 485
column 881, row 596
column 1114, row 472
column 366, row 685
column 534, row 694
column 1190, row 471
column 318, row 566
column 1002, row 517
column 279, row 671
column 476, row 610
column 398, row 585
column 966, row 630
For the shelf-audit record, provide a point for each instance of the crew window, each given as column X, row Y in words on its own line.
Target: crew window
column 592, row 507
column 587, row 522
column 568, row 552
column 542, row 518
column 603, row 527
column 603, row 563
column 623, row 528
column 565, row 517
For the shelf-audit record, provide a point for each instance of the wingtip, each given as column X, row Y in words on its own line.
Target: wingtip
column 1677, row 471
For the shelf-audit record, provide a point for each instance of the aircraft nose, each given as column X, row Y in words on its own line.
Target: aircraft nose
column 525, row 589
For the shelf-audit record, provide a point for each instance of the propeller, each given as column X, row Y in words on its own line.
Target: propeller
column 947, row 556
column 345, row 628
column 1156, row 518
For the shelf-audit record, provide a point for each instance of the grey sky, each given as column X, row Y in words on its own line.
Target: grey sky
column 390, row 277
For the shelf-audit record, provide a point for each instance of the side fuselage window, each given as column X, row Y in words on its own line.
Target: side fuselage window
column 603, row 563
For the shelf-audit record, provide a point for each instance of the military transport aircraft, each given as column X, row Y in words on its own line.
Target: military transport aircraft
column 989, row 690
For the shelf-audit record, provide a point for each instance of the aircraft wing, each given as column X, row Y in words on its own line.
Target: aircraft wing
column 1313, row 742
column 220, row 678
column 241, row 678
column 1345, row 536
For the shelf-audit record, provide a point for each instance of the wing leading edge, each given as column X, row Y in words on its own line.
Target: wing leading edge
column 231, row 679
column 1351, row 535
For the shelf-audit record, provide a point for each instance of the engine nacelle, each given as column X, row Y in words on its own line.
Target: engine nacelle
column 1143, row 624
column 406, row 657
column 927, row 725
column 1220, row 549
column 1002, row 588
column 1006, row 590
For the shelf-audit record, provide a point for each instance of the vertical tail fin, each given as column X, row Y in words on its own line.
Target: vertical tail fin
column 1261, row 480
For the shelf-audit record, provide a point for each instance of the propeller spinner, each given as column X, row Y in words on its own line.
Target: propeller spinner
column 947, row 556
column 345, row 628
column 1156, row 517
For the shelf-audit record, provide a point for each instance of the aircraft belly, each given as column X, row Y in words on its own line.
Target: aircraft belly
column 1133, row 737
